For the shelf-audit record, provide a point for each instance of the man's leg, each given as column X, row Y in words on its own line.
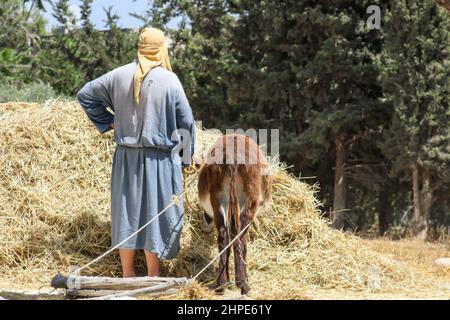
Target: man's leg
column 127, row 261
column 152, row 264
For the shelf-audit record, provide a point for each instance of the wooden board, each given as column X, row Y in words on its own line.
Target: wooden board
column 88, row 293
column 117, row 284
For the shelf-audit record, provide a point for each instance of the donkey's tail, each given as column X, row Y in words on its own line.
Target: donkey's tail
column 233, row 208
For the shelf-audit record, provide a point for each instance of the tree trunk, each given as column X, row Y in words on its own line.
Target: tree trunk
column 385, row 216
column 422, row 198
column 426, row 199
column 416, row 195
column 340, row 184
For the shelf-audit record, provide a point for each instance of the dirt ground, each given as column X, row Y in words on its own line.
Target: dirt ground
column 417, row 253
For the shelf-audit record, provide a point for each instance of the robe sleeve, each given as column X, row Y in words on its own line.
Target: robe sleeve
column 185, row 118
column 95, row 97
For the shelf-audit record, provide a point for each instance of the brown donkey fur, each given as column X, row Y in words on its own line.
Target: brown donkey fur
column 234, row 184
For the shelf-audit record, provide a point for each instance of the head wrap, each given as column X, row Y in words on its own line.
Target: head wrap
column 152, row 53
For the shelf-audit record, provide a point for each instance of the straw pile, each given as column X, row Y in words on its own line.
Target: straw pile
column 54, row 213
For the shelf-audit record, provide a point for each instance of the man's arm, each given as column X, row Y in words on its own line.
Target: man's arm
column 185, row 119
column 95, row 97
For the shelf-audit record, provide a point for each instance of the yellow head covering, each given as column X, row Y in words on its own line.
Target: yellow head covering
column 152, row 53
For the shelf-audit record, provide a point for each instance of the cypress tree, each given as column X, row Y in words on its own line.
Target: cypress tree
column 416, row 82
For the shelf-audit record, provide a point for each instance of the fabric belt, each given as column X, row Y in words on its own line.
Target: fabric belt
column 166, row 149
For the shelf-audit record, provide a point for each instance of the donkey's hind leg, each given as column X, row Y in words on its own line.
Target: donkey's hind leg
column 240, row 255
column 222, row 241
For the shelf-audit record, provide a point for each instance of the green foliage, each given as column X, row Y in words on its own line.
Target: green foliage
column 20, row 32
column 33, row 92
column 416, row 82
column 75, row 55
column 67, row 57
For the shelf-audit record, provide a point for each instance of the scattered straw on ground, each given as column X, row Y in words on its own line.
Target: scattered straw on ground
column 54, row 213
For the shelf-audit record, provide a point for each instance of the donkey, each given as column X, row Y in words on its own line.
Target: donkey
column 233, row 186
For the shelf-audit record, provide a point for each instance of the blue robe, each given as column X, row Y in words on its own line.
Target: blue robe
column 146, row 168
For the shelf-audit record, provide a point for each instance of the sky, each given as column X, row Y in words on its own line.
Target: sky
column 120, row 7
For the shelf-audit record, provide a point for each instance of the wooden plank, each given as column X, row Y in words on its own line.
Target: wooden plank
column 160, row 289
column 101, row 293
column 90, row 293
column 105, row 283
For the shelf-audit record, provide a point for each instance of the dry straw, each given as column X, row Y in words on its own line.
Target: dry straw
column 54, row 213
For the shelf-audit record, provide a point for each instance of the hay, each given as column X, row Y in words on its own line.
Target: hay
column 54, row 213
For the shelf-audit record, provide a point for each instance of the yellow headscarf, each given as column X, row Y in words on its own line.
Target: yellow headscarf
column 152, row 53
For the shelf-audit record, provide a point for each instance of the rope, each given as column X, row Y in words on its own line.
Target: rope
column 167, row 285
column 122, row 242
column 215, row 258
column 175, row 200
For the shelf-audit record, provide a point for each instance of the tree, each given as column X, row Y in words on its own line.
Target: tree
column 307, row 69
column 20, row 38
column 315, row 76
column 416, row 82
column 38, row 3
column 85, row 14
column 84, row 52
column 201, row 54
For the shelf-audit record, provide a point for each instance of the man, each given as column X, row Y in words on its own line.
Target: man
column 150, row 107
